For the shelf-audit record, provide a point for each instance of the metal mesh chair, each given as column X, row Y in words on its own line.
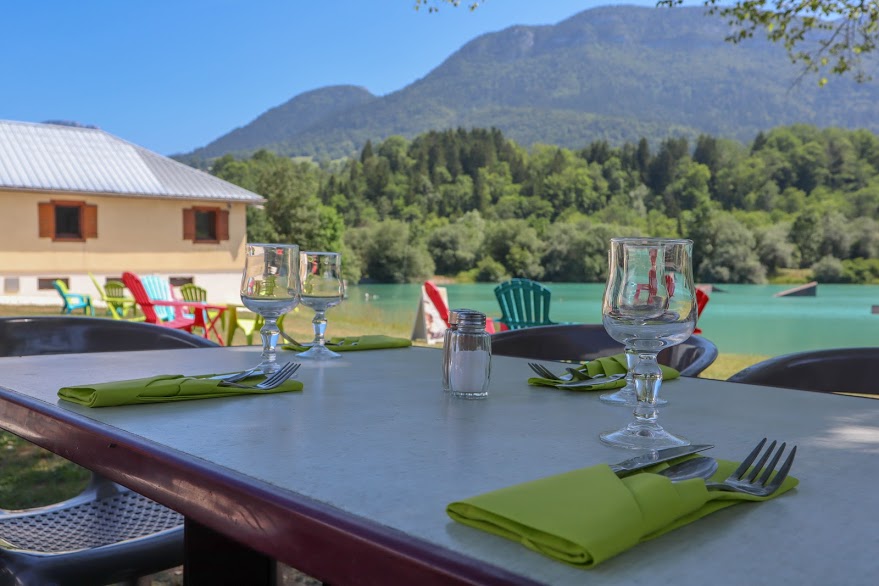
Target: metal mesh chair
column 838, row 370
column 107, row 533
column 589, row 341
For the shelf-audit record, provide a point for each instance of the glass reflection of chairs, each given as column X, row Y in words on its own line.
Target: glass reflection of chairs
column 838, row 370
column 577, row 342
column 107, row 533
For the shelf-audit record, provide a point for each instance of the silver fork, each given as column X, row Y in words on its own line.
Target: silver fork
column 274, row 380
column 236, row 376
column 544, row 372
column 743, row 480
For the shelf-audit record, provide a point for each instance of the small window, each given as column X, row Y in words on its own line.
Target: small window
column 205, row 225
column 11, row 285
column 70, row 221
column 178, row 281
column 48, row 284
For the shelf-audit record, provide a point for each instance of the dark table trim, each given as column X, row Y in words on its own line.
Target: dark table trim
column 320, row 540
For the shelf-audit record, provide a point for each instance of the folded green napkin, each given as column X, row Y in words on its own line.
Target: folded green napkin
column 162, row 388
column 606, row 365
column 352, row 343
column 587, row 516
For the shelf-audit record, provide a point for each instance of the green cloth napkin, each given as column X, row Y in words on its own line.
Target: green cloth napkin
column 352, row 343
column 587, row 516
column 162, row 388
column 606, row 365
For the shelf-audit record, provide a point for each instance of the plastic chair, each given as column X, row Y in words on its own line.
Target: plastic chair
column 118, row 304
column 192, row 292
column 107, row 533
column 839, row 370
column 150, row 308
column 73, row 301
column 576, row 342
column 249, row 326
column 159, row 289
column 524, row 304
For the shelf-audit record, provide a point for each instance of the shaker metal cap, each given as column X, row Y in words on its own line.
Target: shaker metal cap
column 469, row 317
column 454, row 313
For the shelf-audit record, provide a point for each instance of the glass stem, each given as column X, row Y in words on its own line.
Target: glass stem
column 631, row 361
column 269, row 333
column 647, row 379
column 320, row 327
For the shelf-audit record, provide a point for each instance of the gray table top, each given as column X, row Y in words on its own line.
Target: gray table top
column 373, row 435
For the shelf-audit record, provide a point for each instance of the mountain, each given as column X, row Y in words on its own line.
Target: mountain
column 617, row 73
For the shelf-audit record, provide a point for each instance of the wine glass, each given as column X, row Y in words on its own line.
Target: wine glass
column 270, row 287
column 649, row 304
column 322, row 288
column 627, row 396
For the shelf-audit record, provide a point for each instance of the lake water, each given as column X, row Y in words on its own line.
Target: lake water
column 742, row 319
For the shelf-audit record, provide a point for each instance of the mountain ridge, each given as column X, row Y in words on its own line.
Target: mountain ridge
column 616, row 73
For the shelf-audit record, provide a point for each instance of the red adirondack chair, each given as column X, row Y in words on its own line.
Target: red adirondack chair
column 148, row 305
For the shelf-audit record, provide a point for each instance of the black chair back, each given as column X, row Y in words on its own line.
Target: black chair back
column 578, row 342
column 25, row 336
column 845, row 370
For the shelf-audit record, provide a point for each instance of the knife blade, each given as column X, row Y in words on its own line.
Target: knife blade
column 655, row 457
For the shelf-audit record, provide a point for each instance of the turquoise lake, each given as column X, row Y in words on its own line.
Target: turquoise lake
column 740, row 319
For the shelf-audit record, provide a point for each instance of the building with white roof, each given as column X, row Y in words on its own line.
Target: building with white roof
column 76, row 200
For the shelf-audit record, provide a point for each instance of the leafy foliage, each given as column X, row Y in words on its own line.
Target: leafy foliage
column 474, row 204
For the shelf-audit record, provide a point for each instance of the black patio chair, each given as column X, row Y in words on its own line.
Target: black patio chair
column 577, row 342
column 107, row 533
column 839, row 370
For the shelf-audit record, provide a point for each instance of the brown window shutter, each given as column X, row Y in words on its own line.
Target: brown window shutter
column 47, row 219
column 189, row 224
column 223, row 225
column 90, row 221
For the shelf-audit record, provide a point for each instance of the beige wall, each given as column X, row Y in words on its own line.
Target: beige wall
column 142, row 235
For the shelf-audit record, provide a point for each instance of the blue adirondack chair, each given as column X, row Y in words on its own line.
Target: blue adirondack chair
column 159, row 289
column 524, row 303
column 73, row 300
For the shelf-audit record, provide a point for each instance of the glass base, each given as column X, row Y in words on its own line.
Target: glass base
column 626, row 397
column 643, row 436
column 267, row 367
column 318, row 352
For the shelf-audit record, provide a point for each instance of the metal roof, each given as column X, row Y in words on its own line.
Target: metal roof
column 50, row 157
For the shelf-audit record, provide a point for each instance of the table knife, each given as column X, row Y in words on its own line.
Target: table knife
column 655, row 457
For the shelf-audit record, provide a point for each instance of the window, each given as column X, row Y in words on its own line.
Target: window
column 205, row 225
column 68, row 221
column 49, row 284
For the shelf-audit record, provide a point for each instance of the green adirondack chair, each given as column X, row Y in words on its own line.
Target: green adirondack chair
column 119, row 305
column 524, row 303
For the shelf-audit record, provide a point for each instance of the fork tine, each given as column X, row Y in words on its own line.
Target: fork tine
column 746, row 463
column 281, row 372
column 769, row 469
column 762, row 462
column 281, row 376
column 541, row 370
column 783, row 472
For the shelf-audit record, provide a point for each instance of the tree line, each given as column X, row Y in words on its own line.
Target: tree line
column 475, row 205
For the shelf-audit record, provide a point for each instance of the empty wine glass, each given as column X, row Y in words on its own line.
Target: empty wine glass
column 322, row 288
column 649, row 304
column 270, row 287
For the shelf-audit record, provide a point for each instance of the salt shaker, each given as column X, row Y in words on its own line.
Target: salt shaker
column 447, row 349
column 469, row 356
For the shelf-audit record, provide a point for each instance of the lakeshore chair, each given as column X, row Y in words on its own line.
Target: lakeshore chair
column 247, row 323
column 838, row 370
column 192, row 292
column 73, row 301
column 119, row 306
column 578, row 342
column 107, row 533
column 159, row 289
column 149, row 306
column 524, row 304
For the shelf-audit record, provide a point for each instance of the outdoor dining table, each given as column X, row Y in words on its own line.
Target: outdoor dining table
column 348, row 480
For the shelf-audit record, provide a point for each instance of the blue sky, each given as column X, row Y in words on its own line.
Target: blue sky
column 173, row 75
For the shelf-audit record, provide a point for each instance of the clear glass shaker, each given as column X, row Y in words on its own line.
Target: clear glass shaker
column 447, row 349
column 469, row 356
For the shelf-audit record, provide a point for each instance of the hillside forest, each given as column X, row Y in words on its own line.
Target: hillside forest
column 474, row 205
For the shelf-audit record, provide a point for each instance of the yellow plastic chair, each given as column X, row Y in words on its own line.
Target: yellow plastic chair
column 119, row 306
